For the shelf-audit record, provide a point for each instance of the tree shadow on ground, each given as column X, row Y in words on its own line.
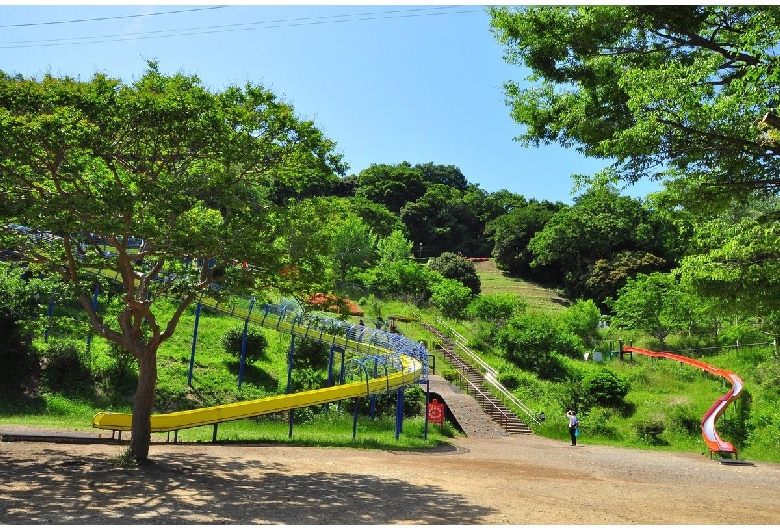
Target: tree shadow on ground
column 198, row 488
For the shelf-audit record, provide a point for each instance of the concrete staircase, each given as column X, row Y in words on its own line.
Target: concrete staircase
column 476, row 386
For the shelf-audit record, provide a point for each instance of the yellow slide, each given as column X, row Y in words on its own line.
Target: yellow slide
column 376, row 343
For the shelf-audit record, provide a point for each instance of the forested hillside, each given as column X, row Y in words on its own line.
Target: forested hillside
column 127, row 203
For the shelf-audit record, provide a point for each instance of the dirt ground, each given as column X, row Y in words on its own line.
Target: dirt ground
column 517, row 480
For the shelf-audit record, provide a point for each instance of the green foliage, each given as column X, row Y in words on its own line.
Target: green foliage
column 125, row 459
column 582, row 319
column 655, row 88
column 405, row 280
column 684, row 418
column 741, row 333
column 601, row 423
column 604, row 388
column 495, row 308
column 451, row 297
column 511, row 232
column 66, row 368
column 656, row 304
column 393, row 248
column 385, row 404
column 196, row 173
column 455, row 267
column 649, row 431
column 23, row 298
column 352, row 244
column 256, row 343
column 600, row 225
column 533, row 341
column 450, row 374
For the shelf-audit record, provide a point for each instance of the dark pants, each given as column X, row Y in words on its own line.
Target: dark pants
column 571, row 432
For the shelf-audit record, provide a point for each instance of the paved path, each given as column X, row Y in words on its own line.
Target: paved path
column 473, row 421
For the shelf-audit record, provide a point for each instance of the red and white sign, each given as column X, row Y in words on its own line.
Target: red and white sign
column 436, row 412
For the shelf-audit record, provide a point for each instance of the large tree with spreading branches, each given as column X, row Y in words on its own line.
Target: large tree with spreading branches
column 688, row 94
column 165, row 183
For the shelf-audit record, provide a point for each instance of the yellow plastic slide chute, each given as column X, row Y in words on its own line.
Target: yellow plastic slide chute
column 246, row 409
column 410, row 372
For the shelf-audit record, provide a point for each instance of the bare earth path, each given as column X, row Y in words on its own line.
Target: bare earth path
column 503, row 480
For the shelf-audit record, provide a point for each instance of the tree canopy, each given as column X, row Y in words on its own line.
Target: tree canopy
column 165, row 183
column 683, row 93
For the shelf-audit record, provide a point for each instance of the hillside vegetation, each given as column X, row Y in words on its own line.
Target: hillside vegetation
column 661, row 409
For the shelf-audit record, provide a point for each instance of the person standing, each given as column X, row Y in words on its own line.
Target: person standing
column 574, row 424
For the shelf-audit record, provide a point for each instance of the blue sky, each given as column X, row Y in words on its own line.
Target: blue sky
column 388, row 83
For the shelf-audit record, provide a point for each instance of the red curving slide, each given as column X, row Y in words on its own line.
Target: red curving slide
column 708, row 432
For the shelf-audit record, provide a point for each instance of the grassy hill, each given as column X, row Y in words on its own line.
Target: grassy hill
column 495, row 281
column 661, row 392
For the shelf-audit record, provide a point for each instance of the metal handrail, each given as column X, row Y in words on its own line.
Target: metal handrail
column 491, row 374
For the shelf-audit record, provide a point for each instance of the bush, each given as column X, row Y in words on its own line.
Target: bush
column 256, row 343
column 600, row 422
column 451, row 297
column 66, row 370
column 685, row 419
column 531, row 342
column 497, row 308
column 605, row 388
column 650, row 431
column 450, row 374
column 455, row 267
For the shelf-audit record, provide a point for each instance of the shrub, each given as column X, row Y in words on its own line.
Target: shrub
column 256, row 343
column 605, row 388
column 455, row 267
column 650, row 431
column 684, row 418
column 599, row 422
column 497, row 308
column 530, row 341
column 451, row 297
column 65, row 370
column 450, row 374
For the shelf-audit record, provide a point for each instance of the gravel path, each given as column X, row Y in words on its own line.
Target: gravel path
column 502, row 480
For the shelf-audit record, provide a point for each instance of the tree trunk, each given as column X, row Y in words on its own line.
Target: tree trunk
column 141, row 430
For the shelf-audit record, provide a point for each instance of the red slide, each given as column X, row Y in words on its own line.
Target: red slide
column 708, row 432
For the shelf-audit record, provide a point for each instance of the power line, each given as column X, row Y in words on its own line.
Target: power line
column 100, row 19
column 246, row 26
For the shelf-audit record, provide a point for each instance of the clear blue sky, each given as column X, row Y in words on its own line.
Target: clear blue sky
column 388, row 83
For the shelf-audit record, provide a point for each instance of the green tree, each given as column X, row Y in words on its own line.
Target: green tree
column 737, row 266
column 457, row 268
column 600, row 225
column 391, row 185
column 353, row 245
column 654, row 303
column 406, row 280
column 394, row 248
column 510, row 234
column 89, row 166
column 440, row 174
column 451, row 297
column 443, row 221
column 582, row 318
column 533, row 341
column 684, row 93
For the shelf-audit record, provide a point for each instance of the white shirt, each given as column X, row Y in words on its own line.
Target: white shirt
column 572, row 419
